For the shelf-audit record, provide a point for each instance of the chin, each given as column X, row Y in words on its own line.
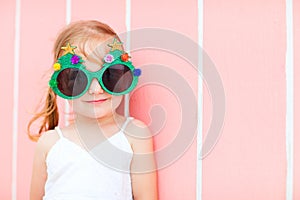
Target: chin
column 94, row 112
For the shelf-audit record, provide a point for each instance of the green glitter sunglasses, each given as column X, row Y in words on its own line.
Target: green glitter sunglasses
column 71, row 79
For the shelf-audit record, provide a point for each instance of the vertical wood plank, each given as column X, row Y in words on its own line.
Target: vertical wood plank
column 40, row 23
column 247, row 41
column 7, row 12
column 155, row 103
column 109, row 12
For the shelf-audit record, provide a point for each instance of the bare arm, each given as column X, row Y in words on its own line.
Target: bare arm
column 143, row 166
column 39, row 170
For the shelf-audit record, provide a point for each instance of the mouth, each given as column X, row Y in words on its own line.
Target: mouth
column 96, row 101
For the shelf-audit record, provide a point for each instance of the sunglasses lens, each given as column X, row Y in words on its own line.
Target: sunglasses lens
column 117, row 78
column 71, row 82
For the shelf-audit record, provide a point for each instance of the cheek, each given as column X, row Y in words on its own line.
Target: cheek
column 74, row 105
column 116, row 101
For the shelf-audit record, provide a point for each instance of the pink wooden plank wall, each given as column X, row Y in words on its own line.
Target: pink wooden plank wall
column 178, row 180
column 247, row 42
column 6, row 88
column 38, row 31
column 246, row 39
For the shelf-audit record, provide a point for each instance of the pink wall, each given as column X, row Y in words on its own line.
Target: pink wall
column 37, row 33
column 178, row 180
column 6, row 87
column 246, row 41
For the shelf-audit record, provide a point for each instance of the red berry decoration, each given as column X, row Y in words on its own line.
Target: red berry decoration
column 125, row 57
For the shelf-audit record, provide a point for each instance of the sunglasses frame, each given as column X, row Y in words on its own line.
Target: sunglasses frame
column 65, row 63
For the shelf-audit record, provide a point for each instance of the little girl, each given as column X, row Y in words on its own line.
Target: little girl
column 101, row 154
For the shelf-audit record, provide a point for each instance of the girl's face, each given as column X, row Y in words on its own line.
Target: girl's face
column 96, row 102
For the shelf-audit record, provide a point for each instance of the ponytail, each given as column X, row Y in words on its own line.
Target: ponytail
column 50, row 116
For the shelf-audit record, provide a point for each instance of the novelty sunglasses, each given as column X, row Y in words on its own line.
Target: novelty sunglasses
column 71, row 79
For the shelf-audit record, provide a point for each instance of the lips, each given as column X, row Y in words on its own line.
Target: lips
column 96, row 101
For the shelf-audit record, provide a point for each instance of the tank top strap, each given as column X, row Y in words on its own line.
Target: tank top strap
column 59, row 132
column 126, row 123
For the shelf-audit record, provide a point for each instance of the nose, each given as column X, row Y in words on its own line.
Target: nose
column 95, row 87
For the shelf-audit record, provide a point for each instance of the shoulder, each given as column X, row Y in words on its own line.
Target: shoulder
column 139, row 136
column 46, row 141
column 138, row 129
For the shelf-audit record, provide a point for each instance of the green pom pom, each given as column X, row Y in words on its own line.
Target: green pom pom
column 53, row 83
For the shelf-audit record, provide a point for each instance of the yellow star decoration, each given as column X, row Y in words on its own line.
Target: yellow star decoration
column 116, row 45
column 69, row 49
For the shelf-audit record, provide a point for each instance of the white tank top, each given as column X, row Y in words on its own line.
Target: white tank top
column 74, row 174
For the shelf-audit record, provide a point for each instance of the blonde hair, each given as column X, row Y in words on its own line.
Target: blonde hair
column 81, row 33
